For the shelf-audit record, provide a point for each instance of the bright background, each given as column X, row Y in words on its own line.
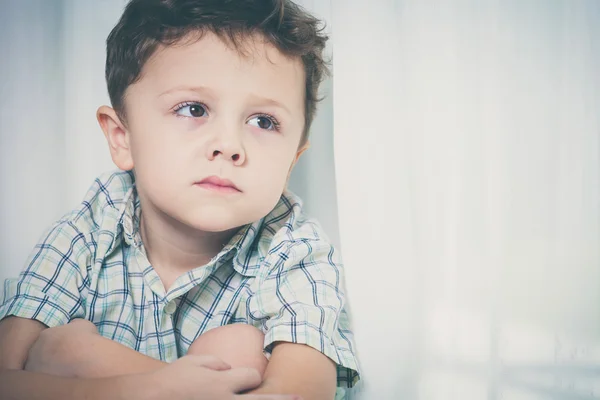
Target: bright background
column 456, row 159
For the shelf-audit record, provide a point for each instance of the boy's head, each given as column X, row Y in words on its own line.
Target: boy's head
column 147, row 24
column 213, row 100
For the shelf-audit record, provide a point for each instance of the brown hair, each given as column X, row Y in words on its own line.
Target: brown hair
column 147, row 24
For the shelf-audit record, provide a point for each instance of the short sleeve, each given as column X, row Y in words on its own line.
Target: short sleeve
column 50, row 287
column 301, row 299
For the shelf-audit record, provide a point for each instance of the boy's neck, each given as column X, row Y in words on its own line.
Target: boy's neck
column 174, row 248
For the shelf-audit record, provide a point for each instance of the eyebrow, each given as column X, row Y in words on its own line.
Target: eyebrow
column 198, row 89
column 269, row 102
column 253, row 99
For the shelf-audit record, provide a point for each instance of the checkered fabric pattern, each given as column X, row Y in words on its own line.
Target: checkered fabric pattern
column 279, row 274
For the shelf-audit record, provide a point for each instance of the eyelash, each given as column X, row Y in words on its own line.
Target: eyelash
column 276, row 124
column 180, row 106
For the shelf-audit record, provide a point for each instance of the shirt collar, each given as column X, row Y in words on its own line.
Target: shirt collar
column 243, row 245
column 129, row 218
column 247, row 259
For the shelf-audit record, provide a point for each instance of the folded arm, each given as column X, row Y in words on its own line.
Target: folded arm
column 17, row 336
column 190, row 377
column 77, row 350
column 301, row 305
column 299, row 369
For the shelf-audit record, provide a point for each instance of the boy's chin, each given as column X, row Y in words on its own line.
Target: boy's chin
column 221, row 219
column 217, row 225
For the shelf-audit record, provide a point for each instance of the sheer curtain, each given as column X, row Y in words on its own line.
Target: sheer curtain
column 51, row 83
column 467, row 155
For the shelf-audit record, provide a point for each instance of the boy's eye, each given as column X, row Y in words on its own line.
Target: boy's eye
column 194, row 110
column 263, row 122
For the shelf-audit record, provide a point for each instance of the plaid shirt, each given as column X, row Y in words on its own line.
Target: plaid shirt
column 279, row 274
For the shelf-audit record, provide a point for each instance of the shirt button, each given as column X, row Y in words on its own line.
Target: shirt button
column 170, row 307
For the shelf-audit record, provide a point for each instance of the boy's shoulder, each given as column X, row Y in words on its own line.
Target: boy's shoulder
column 288, row 234
column 103, row 204
column 289, row 222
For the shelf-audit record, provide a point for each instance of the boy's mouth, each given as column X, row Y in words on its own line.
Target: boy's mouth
column 214, row 183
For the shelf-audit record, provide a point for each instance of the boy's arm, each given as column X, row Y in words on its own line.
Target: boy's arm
column 299, row 369
column 77, row 350
column 22, row 385
column 16, row 337
column 300, row 306
column 187, row 378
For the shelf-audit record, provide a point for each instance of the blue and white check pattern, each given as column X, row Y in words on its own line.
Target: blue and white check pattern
column 279, row 274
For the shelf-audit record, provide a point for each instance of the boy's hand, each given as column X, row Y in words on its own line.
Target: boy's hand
column 206, row 377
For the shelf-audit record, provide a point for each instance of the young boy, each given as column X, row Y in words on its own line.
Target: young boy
column 179, row 273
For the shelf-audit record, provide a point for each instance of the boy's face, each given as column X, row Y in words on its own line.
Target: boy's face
column 201, row 116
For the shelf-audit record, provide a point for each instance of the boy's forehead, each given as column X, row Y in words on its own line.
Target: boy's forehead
column 211, row 61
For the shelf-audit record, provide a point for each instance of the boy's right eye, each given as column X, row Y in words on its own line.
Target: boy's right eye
column 191, row 110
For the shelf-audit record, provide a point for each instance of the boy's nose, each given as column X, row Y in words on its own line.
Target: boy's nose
column 229, row 151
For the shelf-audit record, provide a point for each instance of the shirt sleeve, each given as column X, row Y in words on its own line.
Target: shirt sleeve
column 301, row 300
column 49, row 288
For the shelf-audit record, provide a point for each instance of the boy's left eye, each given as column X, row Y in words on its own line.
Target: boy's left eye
column 264, row 122
column 192, row 110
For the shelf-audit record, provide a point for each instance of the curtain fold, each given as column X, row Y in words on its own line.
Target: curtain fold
column 51, row 83
column 467, row 149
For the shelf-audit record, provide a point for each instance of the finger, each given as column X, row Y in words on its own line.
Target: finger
column 242, row 379
column 210, row 362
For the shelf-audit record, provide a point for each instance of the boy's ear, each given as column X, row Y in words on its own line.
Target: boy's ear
column 300, row 151
column 117, row 137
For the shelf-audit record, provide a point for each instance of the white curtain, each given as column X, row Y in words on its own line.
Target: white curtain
column 467, row 170
column 467, row 149
column 52, row 56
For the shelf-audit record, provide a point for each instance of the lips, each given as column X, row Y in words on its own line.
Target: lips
column 214, row 183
